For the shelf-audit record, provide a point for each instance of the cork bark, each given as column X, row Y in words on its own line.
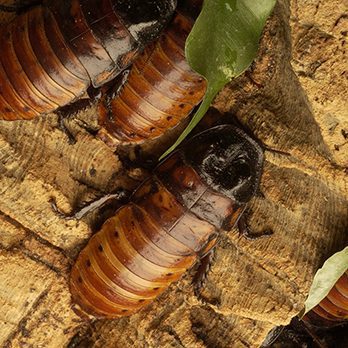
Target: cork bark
column 293, row 99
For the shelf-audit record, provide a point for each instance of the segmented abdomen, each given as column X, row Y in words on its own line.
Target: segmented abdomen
column 148, row 244
column 173, row 219
column 333, row 309
column 51, row 54
column 160, row 91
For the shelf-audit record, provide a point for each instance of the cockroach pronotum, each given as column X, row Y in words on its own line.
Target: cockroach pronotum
column 333, row 309
column 160, row 90
column 52, row 53
column 172, row 221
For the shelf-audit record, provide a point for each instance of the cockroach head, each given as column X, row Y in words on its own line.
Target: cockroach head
column 228, row 160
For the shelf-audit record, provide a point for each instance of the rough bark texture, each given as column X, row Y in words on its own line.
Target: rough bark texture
column 294, row 100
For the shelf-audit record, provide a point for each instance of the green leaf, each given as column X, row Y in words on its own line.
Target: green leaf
column 326, row 277
column 222, row 44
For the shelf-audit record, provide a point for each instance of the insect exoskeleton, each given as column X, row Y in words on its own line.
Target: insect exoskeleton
column 52, row 53
column 171, row 221
column 161, row 89
column 333, row 309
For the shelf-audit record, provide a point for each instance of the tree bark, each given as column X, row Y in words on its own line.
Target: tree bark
column 293, row 99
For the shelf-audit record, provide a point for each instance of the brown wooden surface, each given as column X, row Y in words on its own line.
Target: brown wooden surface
column 294, row 100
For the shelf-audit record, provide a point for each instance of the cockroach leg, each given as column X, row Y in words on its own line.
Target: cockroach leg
column 247, row 232
column 118, row 83
column 272, row 336
column 67, row 112
column 61, row 125
column 120, row 196
column 205, row 258
column 202, row 271
column 271, row 149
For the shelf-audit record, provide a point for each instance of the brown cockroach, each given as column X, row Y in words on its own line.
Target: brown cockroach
column 52, row 53
column 171, row 222
column 161, row 89
column 333, row 309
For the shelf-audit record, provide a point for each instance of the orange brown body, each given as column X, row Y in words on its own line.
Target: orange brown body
column 161, row 89
column 333, row 309
column 52, row 53
column 173, row 219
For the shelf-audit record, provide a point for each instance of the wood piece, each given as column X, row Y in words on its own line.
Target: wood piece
column 294, row 104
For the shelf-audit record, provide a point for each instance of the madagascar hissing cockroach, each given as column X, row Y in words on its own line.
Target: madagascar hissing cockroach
column 160, row 90
column 172, row 221
column 318, row 322
column 333, row 309
column 52, row 53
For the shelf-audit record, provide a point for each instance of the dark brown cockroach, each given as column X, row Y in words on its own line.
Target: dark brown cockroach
column 316, row 324
column 160, row 90
column 173, row 219
column 52, row 53
column 333, row 309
